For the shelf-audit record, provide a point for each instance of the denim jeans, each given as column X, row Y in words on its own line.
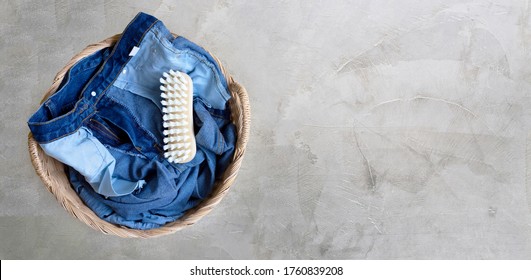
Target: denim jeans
column 105, row 123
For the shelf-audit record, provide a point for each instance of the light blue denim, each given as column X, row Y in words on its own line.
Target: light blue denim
column 104, row 122
column 86, row 154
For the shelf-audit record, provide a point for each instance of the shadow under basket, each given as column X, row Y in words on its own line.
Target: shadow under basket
column 54, row 177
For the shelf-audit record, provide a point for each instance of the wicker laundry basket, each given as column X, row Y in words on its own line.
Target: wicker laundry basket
column 53, row 175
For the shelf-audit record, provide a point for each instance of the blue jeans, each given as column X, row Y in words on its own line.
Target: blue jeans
column 105, row 123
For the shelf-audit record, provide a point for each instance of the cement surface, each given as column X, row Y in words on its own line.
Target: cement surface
column 380, row 129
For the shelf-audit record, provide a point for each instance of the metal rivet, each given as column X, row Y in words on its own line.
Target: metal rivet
column 125, row 71
column 93, row 93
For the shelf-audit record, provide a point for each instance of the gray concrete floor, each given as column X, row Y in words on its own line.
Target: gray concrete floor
column 380, row 129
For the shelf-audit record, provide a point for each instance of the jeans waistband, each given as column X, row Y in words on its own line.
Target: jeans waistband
column 106, row 73
column 120, row 55
column 45, row 130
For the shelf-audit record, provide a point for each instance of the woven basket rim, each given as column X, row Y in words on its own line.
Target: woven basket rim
column 54, row 178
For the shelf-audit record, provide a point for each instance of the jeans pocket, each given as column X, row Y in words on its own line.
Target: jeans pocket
column 107, row 132
column 103, row 130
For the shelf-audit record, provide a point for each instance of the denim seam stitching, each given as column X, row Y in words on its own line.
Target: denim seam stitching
column 104, row 91
column 99, row 152
column 68, row 134
column 103, row 133
column 69, row 78
column 199, row 57
column 82, row 109
column 212, row 68
column 144, row 131
column 92, row 79
column 107, row 59
column 105, row 130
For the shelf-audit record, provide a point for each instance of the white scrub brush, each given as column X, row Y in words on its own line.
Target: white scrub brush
column 177, row 109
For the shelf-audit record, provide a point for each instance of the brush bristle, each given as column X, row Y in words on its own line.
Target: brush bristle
column 177, row 89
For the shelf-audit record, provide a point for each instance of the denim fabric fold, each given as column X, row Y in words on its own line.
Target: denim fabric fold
column 105, row 123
